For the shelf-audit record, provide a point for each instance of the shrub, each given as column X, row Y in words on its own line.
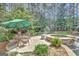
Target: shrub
column 6, row 37
column 41, row 49
column 56, row 42
column 78, row 29
column 33, row 32
column 3, row 38
column 3, row 30
column 10, row 35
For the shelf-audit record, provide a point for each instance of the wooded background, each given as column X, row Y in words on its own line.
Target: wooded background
column 46, row 17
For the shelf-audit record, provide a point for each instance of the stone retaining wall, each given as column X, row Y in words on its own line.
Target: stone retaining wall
column 69, row 51
column 66, row 40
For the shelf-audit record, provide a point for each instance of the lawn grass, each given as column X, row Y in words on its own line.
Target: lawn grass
column 63, row 33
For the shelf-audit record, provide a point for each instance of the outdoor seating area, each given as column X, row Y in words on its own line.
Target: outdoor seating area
column 24, row 45
column 30, row 32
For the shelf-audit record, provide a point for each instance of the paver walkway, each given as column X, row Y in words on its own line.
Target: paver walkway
column 29, row 48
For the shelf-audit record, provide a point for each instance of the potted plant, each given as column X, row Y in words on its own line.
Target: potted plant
column 3, row 42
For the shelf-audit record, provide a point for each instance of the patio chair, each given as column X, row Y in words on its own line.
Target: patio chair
column 18, row 40
column 25, row 39
column 22, row 39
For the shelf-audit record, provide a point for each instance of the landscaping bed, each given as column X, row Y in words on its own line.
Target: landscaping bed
column 67, row 39
column 53, row 51
column 27, row 54
column 56, row 48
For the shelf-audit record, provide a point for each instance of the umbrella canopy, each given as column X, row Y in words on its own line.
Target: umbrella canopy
column 16, row 23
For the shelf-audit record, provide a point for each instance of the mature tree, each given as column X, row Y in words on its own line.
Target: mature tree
column 18, row 13
column 2, row 12
column 55, row 16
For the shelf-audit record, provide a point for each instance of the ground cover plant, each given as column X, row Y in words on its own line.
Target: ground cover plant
column 56, row 42
column 41, row 49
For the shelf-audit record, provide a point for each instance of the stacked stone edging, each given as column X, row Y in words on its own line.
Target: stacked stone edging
column 69, row 51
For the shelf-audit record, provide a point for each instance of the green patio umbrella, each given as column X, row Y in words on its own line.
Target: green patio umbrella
column 16, row 23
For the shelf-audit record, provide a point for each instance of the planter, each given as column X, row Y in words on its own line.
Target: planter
column 3, row 46
column 61, row 51
column 54, row 51
column 66, row 40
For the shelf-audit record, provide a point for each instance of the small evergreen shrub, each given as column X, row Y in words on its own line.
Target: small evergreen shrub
column 41, row 49
column 6, row 37
column 3, row 30
column 56, row 42
column 10, row 35
column 3, row 38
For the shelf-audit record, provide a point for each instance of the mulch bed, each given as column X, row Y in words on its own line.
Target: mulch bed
column 28, row 54
column 53, row 51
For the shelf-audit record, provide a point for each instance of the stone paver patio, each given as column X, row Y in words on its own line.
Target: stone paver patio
column 30, row 47
column 34, row 41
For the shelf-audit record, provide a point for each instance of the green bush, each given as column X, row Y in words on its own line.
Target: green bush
column 10, row 35
column 33, row 32
column 56, row 42
column 3, row 30
column 3, row 38
column 41, row 49
column 6, row 37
